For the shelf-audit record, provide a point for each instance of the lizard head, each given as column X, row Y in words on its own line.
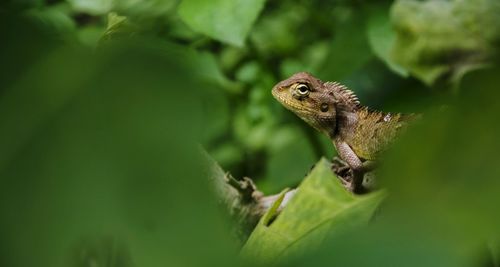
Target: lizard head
column 310, row 99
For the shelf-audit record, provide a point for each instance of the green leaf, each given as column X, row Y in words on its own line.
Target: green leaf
column 463, row 187
column 273, row 210
column 228, row 21
column 281, row 24
column 287, row 144
column 205, row 65
column 93, row 7
column 142, row 9
column 145, row 8
column 118, row 26
column 115, row 20
column 105, row 183
column 495, row 251
column 381, row 38
column 54, row 18
column 348, row 52
column 444, row 39
column 321, row 208
column 249, row 72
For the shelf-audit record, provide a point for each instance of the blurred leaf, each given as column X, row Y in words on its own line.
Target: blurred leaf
column 249, row 72
column 90, row 35
column 54, row 18
column 118, row 26
column 495, row 251
column 290, row 66
column 253, row 133
column 228, row 21
column 320, row 208
column 93, row 7
column 26, row 42
column 287, row 144
column 348, row 51
column 461, row 183
column 444, row 39
column 215, row 106
column 391, row 243
column 103, row 251
column 139, row 9
column 99, row 166
column 381, row 37
column 114, row 21
column 179, row 30
column 315, row 54
column 18, row 124
column 230, row 56
column 227, row 154
column 21, row 4
column 312, row 59
column 145, row 8
column 258, row 136
column 205, row 64
column 279, row 25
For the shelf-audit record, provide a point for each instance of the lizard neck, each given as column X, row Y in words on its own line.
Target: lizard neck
column 347, row 107
column 346, row 123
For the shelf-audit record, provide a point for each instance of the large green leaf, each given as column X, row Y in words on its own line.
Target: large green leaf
column 444, row 39
column 381, row 37
column 321, row 208
column 228, row 21
column 93, row 172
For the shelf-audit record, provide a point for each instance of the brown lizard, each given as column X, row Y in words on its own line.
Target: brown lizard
column 358, row 133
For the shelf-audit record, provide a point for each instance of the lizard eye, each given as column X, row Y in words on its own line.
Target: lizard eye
column 303, row 89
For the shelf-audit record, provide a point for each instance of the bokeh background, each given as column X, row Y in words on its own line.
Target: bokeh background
column 103, row 104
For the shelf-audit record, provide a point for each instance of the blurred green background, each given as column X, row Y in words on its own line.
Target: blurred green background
column 100, row 100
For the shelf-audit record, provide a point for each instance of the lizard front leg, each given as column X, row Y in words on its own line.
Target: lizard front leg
column 358, row 167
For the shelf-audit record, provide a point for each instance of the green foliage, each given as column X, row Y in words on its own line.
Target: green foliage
column 103, row 102
column 436, row 38
column 281, row 173
column 382, row 38
column 460, row 183
column 321, row 208
column 87, row 165
column 94, row 7
column 225, row 20
column 135, row 8
column 347, row 52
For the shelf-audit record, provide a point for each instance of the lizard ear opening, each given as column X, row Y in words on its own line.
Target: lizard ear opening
column 323, row 107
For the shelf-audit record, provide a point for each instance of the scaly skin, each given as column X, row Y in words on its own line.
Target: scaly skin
column 358, row 133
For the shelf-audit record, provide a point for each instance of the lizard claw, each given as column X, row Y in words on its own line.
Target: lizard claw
column 345, row 182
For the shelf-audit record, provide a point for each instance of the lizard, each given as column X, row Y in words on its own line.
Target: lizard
column 358, row 133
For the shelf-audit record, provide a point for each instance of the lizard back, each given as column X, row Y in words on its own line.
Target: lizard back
column 375, row 131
